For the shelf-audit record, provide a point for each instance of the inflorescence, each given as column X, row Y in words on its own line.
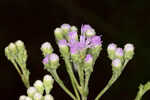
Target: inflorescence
column 79, row 51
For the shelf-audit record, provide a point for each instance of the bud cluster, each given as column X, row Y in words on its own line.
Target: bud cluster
column 118, row 55
column 36, row 92
column 17, row 54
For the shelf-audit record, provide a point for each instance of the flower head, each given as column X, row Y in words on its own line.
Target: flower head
column 73, row 35
column 119, row 52
column 46, row 48
column 88, row 58
column 116, row 63
column 128, row 51
column 84, row 28
column 46, row 59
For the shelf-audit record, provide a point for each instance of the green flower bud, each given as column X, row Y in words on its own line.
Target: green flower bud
column 128, row 51
column 7, row 54
column 19, row 44
column 116, row 64
column 39, row 86
column 119, row 53
column 22, row 97
column 88, row 62
column 64, row 49
column 48, row 82
column 48, row 97
column 46, row 48
column 31, row 91
column 12, row 50
column 38, row 96
column 54, row 61
column 22, row 53
column 90, row 32
column 111, row 49
column 74, row 28
column 65, row 28
column 58, row 34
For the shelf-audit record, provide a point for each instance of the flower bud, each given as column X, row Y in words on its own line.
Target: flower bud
column 111, row 49
column 65, row 28
column 12, row 48
column 116, row 63
column 46, row 48
column 28, row 98
column 119, row 53
column 90, row 32
column 22, row 97
column 73, row 35
column 37, row 96
column 31, row 91
column 88, row 63
column 74, row 28
column 19, row 44
column 58, row 34
column 128, row 51
column 22, row 53
column 7, row 53
column 54, row 61
column 39, row 86
column 63, row 47
column 48, row 97
column 48, row 82
column 46, row 60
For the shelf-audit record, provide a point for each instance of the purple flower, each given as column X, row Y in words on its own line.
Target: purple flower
column 53, row 57
column 119, row 52
column 116, row 63
column 73, row 35
column 96, row 41
column 74, row 47
column 88, row 58
column 84, row 28
column 112, row 46
column 62, row 43
column 46, row 59
column 65, row 26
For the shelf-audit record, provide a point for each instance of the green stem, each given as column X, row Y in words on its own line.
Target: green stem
column 114, row 77
column 111, row 81
column 87, row 77
column 61, row 84
column 82, row 83
column 72, row 77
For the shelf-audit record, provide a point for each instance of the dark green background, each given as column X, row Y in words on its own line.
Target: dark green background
column 119, row 21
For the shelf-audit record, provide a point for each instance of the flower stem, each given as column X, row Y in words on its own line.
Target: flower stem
column 60, row 82
column 72, row 77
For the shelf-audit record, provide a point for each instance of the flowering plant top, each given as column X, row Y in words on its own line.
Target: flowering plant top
column 79, row 51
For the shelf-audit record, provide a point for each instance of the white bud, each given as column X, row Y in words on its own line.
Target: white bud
column 31, row 91
column 37, row 96
column 12, row 46
column 39, row 86
column 48, row 97
column 19, row 43
column 65, row 27
column 46, row 48
column 48, row 82
column 74, row 28
column 111, row 49
column 58, row 33
column 22, row 97
column 90, row 32
column 129, row 51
